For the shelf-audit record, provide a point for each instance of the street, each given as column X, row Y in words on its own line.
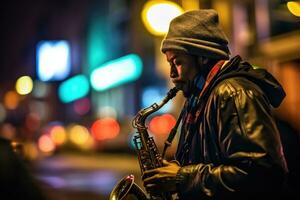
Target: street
column 84, row 176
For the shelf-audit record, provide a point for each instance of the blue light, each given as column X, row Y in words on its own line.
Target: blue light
column 155, row 95
column 53, row 60
column 74, row 88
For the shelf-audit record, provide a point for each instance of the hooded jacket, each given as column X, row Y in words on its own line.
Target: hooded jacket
column 234, row 148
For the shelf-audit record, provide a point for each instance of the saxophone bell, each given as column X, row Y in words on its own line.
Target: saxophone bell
column 127, row 189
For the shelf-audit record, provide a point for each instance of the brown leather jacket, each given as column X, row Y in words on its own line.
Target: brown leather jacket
column 235, row 151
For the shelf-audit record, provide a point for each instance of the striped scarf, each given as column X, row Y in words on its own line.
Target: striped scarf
column 192, row 110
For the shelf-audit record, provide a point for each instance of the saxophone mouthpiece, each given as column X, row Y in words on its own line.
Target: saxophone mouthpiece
column 172, row 93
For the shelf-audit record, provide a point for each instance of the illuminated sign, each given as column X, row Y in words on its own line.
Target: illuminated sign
column 116, row 72
column 53, row 60
column 73, row 88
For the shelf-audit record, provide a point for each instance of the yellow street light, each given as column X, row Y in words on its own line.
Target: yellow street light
column 156, row 16
column 24, row 85
column 294, row 7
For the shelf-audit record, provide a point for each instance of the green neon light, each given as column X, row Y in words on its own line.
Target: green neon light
column 96, row 48
column 117, row 72
column 73, row 89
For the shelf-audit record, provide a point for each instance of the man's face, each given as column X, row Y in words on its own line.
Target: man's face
column 183, row 69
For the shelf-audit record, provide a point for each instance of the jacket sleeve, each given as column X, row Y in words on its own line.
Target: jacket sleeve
column 247, row 137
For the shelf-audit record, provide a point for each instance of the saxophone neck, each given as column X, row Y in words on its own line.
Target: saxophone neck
column 139, row 119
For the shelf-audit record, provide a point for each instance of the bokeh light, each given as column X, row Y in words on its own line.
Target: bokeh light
column 157, row 16
column 131, row 140
column 74, row 88
column 58, row 135
column 79, row 135
column 24, row 85
column 162, row 125
column 117, row 72
column 155, row 94
column 294, row 7
column 53, row 60
column 105, row 128
column 11, row 100
column 45, row 144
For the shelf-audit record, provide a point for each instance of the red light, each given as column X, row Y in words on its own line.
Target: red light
column 162, row 125
column 106, row 128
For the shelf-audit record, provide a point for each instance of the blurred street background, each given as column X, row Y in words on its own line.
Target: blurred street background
column 73, row 74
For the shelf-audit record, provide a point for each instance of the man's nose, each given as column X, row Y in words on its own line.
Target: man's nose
column 173, row 72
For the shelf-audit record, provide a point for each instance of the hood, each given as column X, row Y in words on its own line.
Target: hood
column 261, row 77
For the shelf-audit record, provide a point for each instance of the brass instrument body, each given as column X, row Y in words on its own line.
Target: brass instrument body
column 148, row 155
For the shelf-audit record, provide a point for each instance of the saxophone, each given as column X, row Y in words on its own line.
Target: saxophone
column 148, row 156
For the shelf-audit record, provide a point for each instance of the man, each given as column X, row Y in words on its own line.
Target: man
column 229, row 145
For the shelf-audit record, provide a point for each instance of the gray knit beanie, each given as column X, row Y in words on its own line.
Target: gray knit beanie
column 197, row 33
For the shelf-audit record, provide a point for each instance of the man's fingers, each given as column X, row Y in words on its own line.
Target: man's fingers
column 153, row 179
column 165, row 162
column 149, row 173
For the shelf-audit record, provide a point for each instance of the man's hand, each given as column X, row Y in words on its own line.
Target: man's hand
column 161, row 179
